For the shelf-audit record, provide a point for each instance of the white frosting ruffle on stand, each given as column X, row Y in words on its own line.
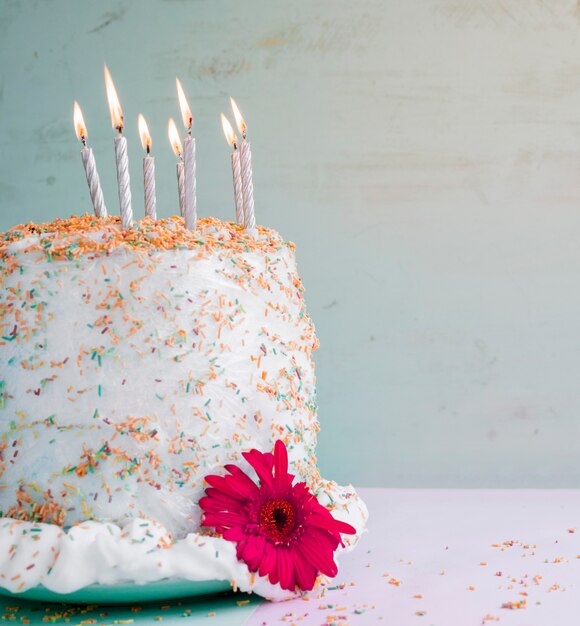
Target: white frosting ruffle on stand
column 140, row 552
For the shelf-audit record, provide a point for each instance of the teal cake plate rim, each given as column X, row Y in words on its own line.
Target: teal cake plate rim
column 125, row 593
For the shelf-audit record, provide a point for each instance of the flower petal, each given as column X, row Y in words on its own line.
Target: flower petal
column 210, row 519
column 240, row 548
column 281, row 476
column 268, row 563
column 329, row 523
column 230, row 485
column 236, row 533
column 218, row 501
column 262, row 464
column 253, row 551
column 224, row 519
column 286, row 568
column 307, row 498
column 318, row 549
column 246, row 486
column 305, row 572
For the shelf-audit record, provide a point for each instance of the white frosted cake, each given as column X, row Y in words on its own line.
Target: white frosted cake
column 133, row 364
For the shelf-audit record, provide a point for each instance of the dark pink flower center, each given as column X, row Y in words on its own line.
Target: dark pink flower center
column 277, row 520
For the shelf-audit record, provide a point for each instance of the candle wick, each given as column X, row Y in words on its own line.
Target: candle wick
column 148, row 149
column 84, row 140
column 235, row 145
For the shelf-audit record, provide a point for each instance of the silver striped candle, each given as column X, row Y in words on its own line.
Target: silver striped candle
column 181, row 186
column 123, row 181
column 238, row 195
column 94, row 182
column 149, row 180
column 190, row 184
column 247, row 185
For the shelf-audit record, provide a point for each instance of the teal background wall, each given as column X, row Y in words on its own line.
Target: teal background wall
column 424, row 157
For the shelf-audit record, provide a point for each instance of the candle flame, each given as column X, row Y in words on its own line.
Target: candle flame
column 229, row 131
column 79, row 122
column 144, row 133
column 184, row 106
column 174, row 140
column 114, row 104
column 240, row 122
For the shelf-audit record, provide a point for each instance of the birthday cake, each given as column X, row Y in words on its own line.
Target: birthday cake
column 158, row 413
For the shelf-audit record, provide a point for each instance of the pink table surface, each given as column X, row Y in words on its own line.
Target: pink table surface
column 453, row 557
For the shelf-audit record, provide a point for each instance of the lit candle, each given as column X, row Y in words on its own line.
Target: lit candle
column 236, row 169
column 189, row 165
column 89, row 164
column 121, row 157
column 148, row 169
column 178, row 150
column 246, row 164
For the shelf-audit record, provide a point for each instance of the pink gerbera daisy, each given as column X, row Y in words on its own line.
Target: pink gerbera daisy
column 281, row 530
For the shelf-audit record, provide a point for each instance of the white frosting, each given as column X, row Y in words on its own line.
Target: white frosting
column 132, row 368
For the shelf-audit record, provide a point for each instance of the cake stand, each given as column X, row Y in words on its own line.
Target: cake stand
column 126, row 593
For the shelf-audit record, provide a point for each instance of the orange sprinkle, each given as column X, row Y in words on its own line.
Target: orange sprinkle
column 520, row 604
